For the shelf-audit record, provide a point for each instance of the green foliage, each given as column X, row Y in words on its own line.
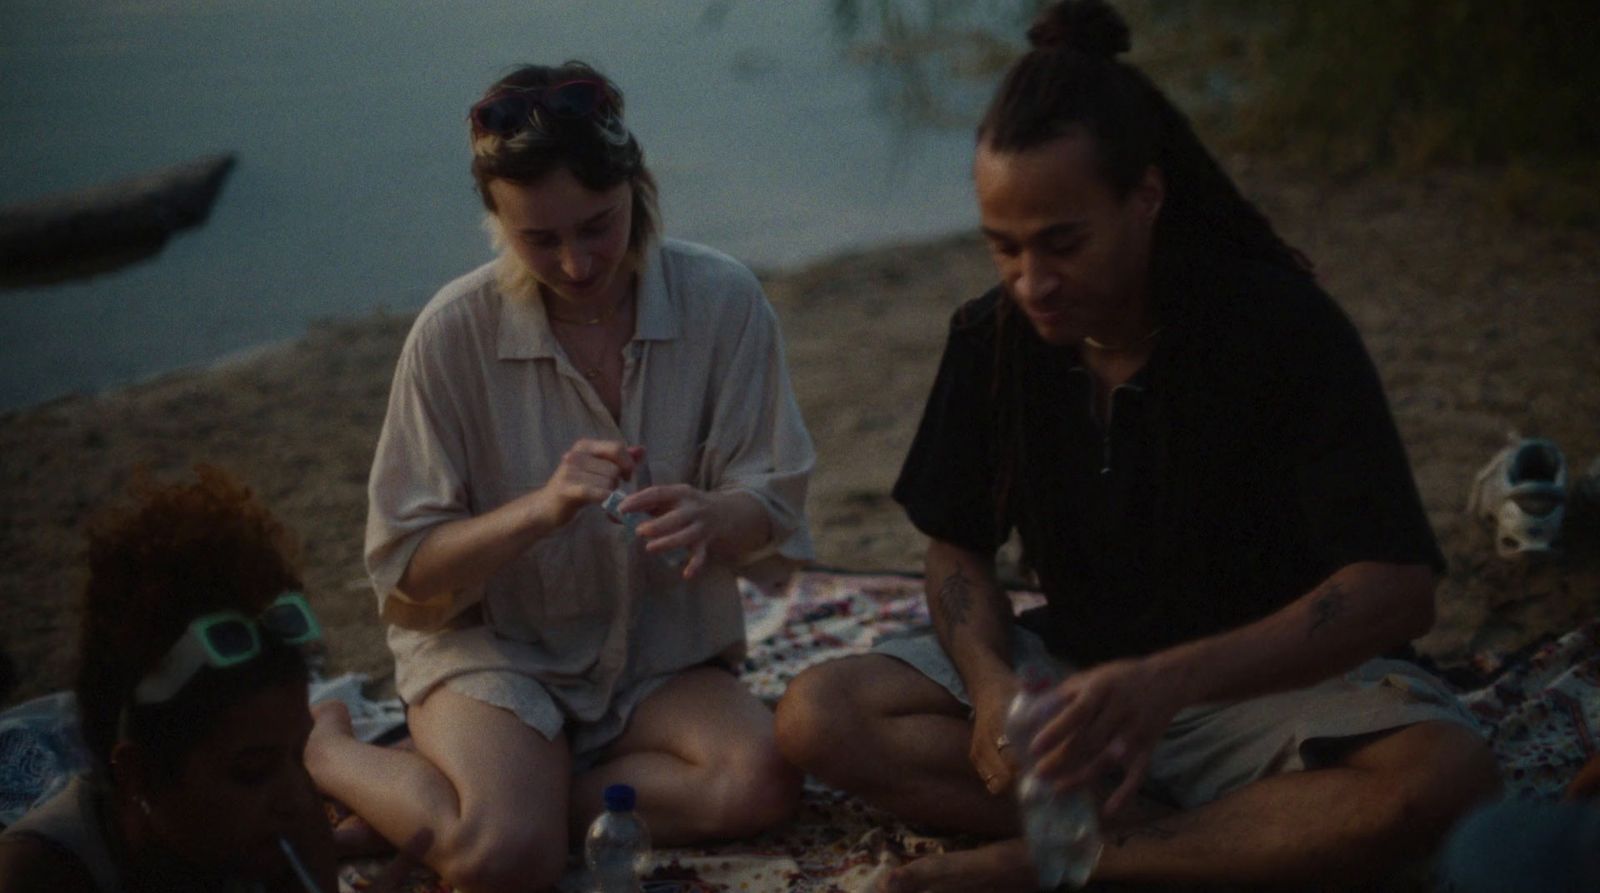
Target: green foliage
column 1416, row 82
column 1345, row 83
column 935, row 60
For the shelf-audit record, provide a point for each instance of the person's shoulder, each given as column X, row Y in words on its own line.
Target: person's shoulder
column 1284, row 293
column 1256, row 304
column 29, row 862
column 978, row 319
column 462, row 300
column 705, row 269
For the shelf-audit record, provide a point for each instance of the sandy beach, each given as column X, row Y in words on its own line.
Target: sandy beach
column 1480, row 325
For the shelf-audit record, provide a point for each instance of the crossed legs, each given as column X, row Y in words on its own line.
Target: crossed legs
column 875, row 726
column 502, row 802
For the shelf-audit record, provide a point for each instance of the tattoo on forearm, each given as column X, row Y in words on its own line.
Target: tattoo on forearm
column 955, row 599
column 1327, row 606
column 1151, row 832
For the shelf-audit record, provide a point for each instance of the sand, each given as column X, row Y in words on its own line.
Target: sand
column 1480, row 325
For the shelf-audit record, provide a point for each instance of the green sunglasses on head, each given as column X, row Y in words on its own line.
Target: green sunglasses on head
column 224, row 639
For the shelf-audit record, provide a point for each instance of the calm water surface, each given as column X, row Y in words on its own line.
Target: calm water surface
column 351, row 191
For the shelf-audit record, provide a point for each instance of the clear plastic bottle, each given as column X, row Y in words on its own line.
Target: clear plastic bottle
column 1062, row 830
column 617, row 847
column 630, row 522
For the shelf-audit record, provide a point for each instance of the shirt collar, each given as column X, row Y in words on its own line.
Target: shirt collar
column 525, row 327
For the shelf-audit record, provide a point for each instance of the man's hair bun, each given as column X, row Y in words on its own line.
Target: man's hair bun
column 1090, row 27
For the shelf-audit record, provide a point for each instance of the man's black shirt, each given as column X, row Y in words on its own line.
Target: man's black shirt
column 1251, row 457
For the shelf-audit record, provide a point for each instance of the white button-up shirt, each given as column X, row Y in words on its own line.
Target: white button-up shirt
column 485, row 402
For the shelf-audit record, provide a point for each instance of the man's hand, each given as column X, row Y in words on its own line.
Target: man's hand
column 996, row 764
column 1109, row 717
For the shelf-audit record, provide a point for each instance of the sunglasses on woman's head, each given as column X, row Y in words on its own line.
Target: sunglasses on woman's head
column 224, row 639
column 510, row 110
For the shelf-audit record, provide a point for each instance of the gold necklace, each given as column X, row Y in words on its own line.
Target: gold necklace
column 605, row 315
column 1097, row 344
column 590, row 369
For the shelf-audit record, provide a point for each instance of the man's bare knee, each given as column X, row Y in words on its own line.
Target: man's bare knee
column 1436, row 773
column 817, row 717
column 758, row 791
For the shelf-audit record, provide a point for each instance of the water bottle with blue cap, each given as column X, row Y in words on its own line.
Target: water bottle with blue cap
column 617, row 848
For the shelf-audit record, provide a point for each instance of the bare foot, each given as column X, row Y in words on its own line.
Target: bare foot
column 992, row 868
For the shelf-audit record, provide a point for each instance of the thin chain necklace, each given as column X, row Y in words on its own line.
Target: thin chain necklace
column 605, row 315
column 591, row 368
column 1097, row 344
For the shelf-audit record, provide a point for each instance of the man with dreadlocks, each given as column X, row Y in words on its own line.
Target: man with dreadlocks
column 1194, row 449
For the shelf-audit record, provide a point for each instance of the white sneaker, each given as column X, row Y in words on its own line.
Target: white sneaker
column 1523, row 492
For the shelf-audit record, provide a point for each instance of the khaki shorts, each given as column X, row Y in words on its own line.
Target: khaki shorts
column 1212, row 749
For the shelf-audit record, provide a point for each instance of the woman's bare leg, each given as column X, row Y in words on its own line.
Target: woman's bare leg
column 700, row 752
column 492, row 790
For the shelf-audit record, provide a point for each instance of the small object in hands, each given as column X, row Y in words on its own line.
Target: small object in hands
column 1062, row 830
column 630, row 522
column 298, row 866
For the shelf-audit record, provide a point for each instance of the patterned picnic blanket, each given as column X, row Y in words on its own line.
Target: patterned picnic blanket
column 1543, row 704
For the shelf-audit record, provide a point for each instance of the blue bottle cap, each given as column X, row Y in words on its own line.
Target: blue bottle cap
column 619, row 798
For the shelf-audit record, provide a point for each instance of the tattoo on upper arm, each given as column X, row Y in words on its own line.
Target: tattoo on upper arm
column 955, row 598
column 1328, row 605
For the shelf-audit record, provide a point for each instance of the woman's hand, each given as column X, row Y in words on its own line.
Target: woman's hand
column 681, row 517
column 589, row 471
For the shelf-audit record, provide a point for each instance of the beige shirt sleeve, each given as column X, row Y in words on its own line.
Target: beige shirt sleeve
column 418, row 478
column 758, row 442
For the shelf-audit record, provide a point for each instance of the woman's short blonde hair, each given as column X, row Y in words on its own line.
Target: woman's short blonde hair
column 585, row 147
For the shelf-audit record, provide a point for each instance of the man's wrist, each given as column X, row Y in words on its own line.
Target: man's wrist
column 995, row 682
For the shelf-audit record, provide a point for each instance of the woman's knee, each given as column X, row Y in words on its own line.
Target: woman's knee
column 498, row 855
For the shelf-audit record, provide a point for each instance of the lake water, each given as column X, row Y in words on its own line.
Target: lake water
column 352, row 192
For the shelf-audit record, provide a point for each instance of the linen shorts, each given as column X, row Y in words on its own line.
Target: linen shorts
column 1211, row 749
column 540, row 709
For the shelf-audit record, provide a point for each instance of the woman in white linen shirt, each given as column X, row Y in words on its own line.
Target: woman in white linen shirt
column 545, row 653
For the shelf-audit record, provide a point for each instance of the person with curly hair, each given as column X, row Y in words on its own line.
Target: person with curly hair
column 1194, row 449
column 191, row 692
column 587, row 441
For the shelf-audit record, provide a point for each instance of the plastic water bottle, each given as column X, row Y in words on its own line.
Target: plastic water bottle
column 617, row 847
column 630, row 522
column 1062, row 830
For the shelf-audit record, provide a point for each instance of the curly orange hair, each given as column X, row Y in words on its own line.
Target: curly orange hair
column 179, row 551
